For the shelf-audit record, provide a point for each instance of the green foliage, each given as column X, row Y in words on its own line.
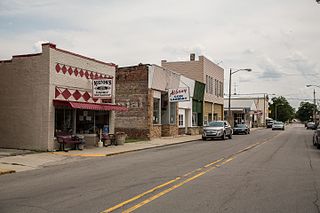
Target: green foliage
column 281, row 109
column 305, row 111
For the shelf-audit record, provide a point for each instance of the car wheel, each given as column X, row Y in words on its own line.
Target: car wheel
column 230, row 135
column 223, row 137
column 249, row 132
column 204, row 138
column 318, row 146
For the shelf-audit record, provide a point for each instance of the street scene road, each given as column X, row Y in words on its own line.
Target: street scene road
column 266, row 171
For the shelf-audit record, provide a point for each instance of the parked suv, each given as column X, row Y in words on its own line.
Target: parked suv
column 269, row 123
column 217, row 129
column 316, row 138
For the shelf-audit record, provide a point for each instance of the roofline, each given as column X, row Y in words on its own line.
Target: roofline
column 54, row 46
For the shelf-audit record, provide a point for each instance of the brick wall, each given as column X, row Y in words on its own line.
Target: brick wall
column 132, row 91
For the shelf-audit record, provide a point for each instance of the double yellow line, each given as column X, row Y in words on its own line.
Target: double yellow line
column 206, row 168
column 198, row 173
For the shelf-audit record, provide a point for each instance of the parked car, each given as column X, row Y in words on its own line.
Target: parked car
column 217, row 129
column 269, row 123
column 316, row 138
column 278, row 125
column 241, row 129
column 311, row 125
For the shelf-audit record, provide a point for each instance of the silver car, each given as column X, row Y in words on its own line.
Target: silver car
column 278, row 125
column 217, row 129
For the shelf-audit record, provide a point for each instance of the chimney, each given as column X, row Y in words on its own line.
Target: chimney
column 192, row 56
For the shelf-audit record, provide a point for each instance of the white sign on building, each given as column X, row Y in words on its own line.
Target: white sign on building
column 102, row 88
column 179, row 94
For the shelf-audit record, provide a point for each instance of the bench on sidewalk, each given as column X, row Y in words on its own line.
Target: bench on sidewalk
column 105, row 137
column 72, row 140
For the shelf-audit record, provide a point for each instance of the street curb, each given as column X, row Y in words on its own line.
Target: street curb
column 6, row 171
column 146, row 148
column 123, row 152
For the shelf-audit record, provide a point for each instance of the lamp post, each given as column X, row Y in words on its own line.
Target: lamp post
column 314, row 100
column 229, row 99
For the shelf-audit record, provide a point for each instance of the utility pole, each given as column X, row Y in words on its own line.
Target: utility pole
column 314, row 105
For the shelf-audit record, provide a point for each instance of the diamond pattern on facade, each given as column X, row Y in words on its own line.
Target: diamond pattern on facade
column 66, row 94
column 57, row 93
column 64, row 69
column 58, row 68
column 70, row 94
column 86, row 96
column 76, row 95
column 70, row 71
column 81, row 73
column 78, row 72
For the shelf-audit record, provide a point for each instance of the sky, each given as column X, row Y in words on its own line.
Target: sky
column 278, row 40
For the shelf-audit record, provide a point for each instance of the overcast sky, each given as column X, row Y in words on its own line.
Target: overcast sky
column 278, row 40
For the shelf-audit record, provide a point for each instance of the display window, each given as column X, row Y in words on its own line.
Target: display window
column 80, row 121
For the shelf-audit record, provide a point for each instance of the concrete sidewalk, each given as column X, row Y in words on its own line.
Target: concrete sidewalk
column 13, row 160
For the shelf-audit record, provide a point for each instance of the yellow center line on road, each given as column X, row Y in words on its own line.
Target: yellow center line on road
column 171, row 188
column 154, row 189
column 140, row 195
column 213, row 165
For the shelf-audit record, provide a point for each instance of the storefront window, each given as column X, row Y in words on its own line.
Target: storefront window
column 63, row 120
column 80, row 121
column 181, row 120
column 173, row 113
column 90, row 122
column 156, row 111
column 194, row 119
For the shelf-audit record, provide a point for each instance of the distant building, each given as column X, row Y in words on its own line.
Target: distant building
column 254, row 110
column 209, row 73
column 48, row 93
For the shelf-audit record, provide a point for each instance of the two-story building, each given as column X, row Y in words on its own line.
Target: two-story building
column 209, row 73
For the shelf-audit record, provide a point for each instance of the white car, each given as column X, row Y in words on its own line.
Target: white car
column 278, row 125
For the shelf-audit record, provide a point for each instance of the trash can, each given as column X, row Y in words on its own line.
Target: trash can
column 120, row 138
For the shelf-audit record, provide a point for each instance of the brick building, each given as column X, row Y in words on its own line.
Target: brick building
column 49, row 92
column 205, row 71
column 144, row 90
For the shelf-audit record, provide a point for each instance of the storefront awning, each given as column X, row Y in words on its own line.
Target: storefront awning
column 89, row 106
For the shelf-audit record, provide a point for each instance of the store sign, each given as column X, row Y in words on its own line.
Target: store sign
column 180, row 94
column 102, row 88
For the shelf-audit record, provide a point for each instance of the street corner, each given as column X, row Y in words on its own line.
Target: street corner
column 6, row 171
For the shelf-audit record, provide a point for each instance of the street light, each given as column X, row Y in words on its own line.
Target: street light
column 314, row 100
column 229, row 100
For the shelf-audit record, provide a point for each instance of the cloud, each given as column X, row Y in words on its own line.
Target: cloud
column 37, row 46
column 271, row 70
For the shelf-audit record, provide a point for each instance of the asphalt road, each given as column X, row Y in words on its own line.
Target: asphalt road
column 266, row 171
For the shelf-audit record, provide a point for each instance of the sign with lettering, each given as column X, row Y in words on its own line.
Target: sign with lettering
column 180, row 94
column 102, row 88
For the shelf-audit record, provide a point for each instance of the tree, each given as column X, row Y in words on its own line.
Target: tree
column 305, row 111
column 281, row 109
